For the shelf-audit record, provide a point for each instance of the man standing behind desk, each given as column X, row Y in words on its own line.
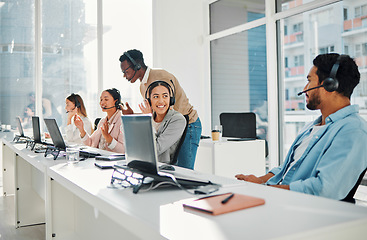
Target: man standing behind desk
column 329, row 155
column 134, row 68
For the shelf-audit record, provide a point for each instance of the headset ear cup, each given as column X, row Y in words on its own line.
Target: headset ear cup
column 172, row 100
column 137, row 67
column 330, row 84
column 150, row 103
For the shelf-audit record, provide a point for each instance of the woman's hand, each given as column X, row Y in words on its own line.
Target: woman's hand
column 145, row 107
column 71, row 114
column 80, row 125
column 106, row 135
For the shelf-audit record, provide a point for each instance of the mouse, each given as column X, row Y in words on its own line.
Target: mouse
column 167, row 167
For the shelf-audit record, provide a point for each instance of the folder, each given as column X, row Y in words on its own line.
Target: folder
column 213, row 204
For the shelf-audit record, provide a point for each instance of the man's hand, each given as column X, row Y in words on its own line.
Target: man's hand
column 249, row 178
column 127, row 109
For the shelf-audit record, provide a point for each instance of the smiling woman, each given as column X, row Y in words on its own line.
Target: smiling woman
column 168, row 123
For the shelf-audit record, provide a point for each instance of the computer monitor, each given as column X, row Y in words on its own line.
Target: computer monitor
column 140, row 145
column 55, row 134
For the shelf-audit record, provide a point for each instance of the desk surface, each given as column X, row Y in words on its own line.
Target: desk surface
column 159, row 213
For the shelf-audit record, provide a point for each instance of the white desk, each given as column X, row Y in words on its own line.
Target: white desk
column 79, row 205
column 228, row 158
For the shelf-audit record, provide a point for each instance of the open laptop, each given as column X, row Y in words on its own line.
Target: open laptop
column 37, row 132
column 58, row 140
column 141, row 151
column 21, row 138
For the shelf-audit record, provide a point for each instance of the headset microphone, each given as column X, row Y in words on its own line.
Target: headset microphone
column 300, row 93
column 109, row 107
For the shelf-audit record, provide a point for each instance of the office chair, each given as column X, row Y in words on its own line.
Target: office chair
column 238, row 125
column 96, row 123
column 175, row 156
column 350, row 197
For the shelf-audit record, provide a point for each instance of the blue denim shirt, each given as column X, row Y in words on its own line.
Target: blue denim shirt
column 333, row 160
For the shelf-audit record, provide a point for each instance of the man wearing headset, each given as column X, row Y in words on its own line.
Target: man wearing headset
column 134, row 68
column 329, row 155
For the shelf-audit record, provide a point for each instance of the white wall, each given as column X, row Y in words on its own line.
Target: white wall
column 179, row 46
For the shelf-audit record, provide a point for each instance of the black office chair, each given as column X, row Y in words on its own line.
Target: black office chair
column 175, row 156
column 238, row 125
column 350, row 197
column 96, row 123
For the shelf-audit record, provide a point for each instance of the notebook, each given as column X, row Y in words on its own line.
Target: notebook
column 224, row 203
column 141, row 150
column 59, row 142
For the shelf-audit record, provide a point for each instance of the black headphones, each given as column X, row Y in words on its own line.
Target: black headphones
column 76, row 102
column 115, row 93
column 172, row 99
column 136, row 65
column 331, row 83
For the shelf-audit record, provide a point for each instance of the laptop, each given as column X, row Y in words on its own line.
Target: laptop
column 141, row 151
column 58, row 140
column 37, row 131
column 20, row 138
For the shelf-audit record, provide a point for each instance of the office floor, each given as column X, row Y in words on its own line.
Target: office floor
column 7, row 222
column 9, row 232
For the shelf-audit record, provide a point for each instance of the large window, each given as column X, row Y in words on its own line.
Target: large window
column 238, row 65
column 71, row 54
column 328, row 30
column 17, row 74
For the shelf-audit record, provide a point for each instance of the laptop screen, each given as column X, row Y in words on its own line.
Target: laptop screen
column 20, row 128
column 140, row 145
column 36, row 129
column 55, row 133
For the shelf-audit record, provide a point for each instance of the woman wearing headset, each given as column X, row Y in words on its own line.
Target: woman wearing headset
column 74, row 105
column 168, row 123
column 108, row 135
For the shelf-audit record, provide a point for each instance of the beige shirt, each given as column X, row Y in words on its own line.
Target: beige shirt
column 182, row 104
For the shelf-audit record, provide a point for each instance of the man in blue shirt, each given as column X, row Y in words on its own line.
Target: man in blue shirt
column 328, row 156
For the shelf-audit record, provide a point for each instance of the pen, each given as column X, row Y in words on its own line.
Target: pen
column 224, row 201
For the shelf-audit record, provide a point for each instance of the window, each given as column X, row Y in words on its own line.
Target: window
column 226, row 14
column 298, row 27
column 345, row 14
column 330, row 39
column 364, row 49
column 69, row 56
column 17, row 73
column 358, row 52
column 298, row 61
column 238, row 67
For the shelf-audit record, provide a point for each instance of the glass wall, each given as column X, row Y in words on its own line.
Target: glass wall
column 225, row 14
column 340, row 27
column 70, row 47
column 17, row 66
column 69, row 55
column 238, row 63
